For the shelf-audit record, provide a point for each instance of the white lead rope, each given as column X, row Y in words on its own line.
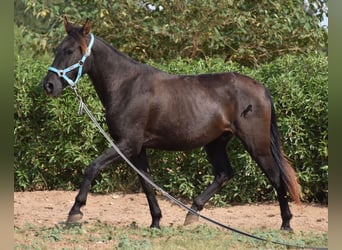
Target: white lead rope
column 83, row 106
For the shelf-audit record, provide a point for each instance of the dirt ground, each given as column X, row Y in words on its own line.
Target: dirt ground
column 48, row 208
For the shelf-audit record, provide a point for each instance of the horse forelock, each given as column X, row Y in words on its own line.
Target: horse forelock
column 77, row 34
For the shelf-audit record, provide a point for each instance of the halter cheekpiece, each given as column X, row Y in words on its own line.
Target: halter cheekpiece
column 63, row 72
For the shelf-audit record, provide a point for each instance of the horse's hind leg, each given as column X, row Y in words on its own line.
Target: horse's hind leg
column 258, row 145
column 270, row 168
column 217, row 156
column 141, row 163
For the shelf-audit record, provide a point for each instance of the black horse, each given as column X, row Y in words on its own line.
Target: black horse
column 148, row 108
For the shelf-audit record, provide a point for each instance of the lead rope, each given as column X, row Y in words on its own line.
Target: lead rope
column 83, row 106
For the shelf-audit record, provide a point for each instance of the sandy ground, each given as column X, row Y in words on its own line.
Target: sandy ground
column 48, row 208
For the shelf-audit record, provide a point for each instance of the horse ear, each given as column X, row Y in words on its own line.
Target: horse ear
column 67, row 25
column 86, row 27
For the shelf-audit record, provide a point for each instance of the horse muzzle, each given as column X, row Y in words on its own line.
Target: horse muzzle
column 52, row 87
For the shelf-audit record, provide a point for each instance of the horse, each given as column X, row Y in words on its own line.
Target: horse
column 147, row 108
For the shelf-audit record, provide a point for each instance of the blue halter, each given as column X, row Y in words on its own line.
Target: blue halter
column 63, row 72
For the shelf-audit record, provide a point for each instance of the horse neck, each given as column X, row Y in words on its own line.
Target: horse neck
column 110, row 69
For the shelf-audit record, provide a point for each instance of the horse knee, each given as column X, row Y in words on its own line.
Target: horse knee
column 223, row 177
column 107, row 157
column 91, row 171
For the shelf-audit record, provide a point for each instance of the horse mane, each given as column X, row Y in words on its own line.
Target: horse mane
column 127, row 58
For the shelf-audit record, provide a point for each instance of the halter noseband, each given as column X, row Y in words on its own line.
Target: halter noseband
column 63, row 72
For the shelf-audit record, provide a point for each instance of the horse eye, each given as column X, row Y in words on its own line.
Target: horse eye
column 68, row 51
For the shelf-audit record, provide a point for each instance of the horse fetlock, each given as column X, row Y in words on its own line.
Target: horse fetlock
column 155, row 225
column 74, row 217
column 155, row 220
column 286, row 227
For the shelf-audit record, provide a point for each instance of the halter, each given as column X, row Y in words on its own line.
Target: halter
column 63, row 72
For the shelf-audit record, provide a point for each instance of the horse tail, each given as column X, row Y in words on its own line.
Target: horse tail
column 287, row 173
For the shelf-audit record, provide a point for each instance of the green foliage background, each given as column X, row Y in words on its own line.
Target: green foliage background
column 246, row 31
column 279, row 45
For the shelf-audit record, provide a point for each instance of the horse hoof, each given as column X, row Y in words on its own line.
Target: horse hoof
column 73, row 218
column 191, row 218
column 155, row 226
column 286, row 228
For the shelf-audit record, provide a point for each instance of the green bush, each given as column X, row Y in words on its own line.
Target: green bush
column 247, row 32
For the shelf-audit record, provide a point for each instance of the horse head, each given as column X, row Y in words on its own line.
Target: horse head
column 70, row 59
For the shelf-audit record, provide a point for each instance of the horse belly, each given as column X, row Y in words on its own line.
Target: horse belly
column 184, row 134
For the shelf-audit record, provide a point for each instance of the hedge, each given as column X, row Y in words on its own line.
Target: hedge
column 247, row 32
column 53, row 145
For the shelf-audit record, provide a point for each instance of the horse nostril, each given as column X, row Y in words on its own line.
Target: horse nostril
column 48, row 87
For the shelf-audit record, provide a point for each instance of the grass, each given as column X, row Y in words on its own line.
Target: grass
column 104, row 236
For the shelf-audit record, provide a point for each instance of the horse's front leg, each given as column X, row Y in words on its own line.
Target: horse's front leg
column 141, row 163
column 109, row 156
